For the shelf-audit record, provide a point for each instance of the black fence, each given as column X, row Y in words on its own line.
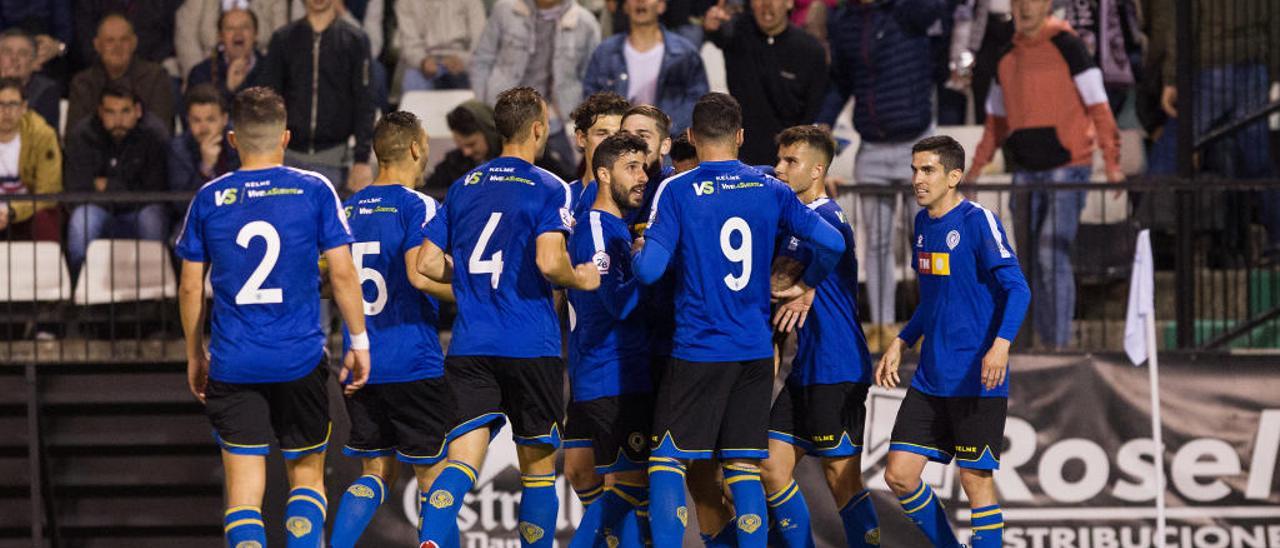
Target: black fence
column 115, row 298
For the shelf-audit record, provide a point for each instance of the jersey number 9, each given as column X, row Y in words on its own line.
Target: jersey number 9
column 740, row 254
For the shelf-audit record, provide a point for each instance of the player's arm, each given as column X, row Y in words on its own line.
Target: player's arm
column 825, row 242
column 792, row 312
column 441, row 291
column 651, row 261
column 191, row 308
column 432, row 263
column 346, row 292
column 993, row 254
column 554, row 263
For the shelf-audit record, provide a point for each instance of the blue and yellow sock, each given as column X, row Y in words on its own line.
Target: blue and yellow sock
column 861, row 526
column 439, row 514
column 453, row 536
column 356, row 510
column 726, row 538
column 988, row 527
column 304, row 518
column 925, row 510
column 626, row 512
column 748, row 504
column 790, row 517
column 539, row 506
column 668, row 515
column 589, row 526
column 244, row 524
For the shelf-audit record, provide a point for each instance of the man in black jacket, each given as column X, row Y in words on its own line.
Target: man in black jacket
column 121, row 149
column 475, row 134
column 320, row 65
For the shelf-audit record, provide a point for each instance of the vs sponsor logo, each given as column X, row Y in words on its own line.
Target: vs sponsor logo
column 704, row 188
column 225, row 197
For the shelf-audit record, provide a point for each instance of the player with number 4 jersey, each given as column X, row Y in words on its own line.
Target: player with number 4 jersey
column 718, row 222
column 259, row 233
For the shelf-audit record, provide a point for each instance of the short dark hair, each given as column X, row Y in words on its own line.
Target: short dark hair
column 393, row 135
column 950, row 152
column 516, row 111
column 19, row 32
column 259, row 117
column 463, row 121
column 653, row 113
column 682, row 149
column 614, row 146
column 204, row 94
column 600, row 103
column 14, row 83
column 716, row 116
column 119, row 91
column 252, row 17
column 816, row 137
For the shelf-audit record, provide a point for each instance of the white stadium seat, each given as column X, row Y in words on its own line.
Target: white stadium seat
column 125, row 270
column 432, row 106
column 713, row 61
column 33, row 271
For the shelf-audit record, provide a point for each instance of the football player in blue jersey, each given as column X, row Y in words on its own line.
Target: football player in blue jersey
column 612, row 393
column 406, row 409
column 718, row 224
column 597, row 117
column 654, row 126
column 820, row 411
column 259, row 231
column 506, row 224
column 972, row 301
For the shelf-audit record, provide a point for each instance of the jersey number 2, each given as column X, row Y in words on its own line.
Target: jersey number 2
column 477, row 264
column 252, row 291
column 740, row 254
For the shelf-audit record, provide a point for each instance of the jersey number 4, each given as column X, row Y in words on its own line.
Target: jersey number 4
column 477, row 264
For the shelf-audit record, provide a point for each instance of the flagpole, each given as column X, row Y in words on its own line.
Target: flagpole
column 1157, row 426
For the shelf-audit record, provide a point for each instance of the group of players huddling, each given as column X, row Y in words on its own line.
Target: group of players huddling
column 675, row 286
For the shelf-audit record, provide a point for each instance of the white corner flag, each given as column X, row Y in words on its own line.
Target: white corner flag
column 1140, row 345
column 1141, row 302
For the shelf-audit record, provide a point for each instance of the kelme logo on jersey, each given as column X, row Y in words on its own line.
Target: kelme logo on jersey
column 704, row 188
column 472, row 179
column 225, row 196
column 298, row 527
column 934, row 264
column 953, row 239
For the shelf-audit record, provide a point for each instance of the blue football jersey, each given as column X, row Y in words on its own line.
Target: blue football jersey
column 720, row 222
column 956, row 257
column 608, row 335
column 262, row 232
column 387, row 221
column 491, row 220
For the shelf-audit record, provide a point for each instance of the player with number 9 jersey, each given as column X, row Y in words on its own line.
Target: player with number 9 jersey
column 263, row 232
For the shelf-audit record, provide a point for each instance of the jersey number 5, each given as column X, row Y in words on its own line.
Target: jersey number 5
column 740, row 254
column 358, row 251
column 477, row 264
column 252, row 291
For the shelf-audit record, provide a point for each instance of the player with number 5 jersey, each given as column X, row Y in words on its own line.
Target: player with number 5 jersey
column 718, row 223
column 260, row 232
column 506, row 225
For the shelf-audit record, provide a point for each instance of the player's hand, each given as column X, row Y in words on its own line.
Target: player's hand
column 454, row 64
column 995, row 365
column 198, row 374
column 796, row 291
column 637, row 245
column 429, row 67
column 887, row 370
column 716, row 16
column 588, row 276
column 355, row 371
column 792, row 314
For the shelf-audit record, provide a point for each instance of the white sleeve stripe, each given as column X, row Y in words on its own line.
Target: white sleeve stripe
column 995, row 100
column 1089, row 84
column 995, row 233
column 568, row 191
column 814, row 205
column 336, row 200
column 430, row 204
column 653, row 208
column 597, row 232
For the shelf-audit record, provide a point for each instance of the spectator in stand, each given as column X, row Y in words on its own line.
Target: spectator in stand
column 115, row 44
column 881, row 54
column 151, row 19
column 775, row 70
column 542, row 44
column 235, row 64
column 1111, row 32
column 367, row 15
column 120, row 150
column 30, row 163
column 436, row 38
column 203, row 152
column 812, row 16
column 49, row 21
column 977, row 42
column 320, row 64
column 1047, row 107
column 198, row 27
column 649, row 65
column 18, row 56
column 475, row 134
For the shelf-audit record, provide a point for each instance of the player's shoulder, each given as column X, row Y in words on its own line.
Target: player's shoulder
column 974, row 215
column 221, row 182
column 550, row 181
column 310, row 178
column 676, row 180
column 828, row 209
